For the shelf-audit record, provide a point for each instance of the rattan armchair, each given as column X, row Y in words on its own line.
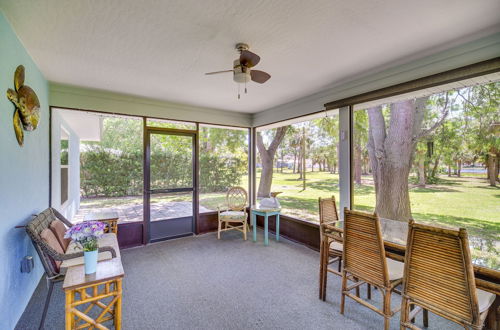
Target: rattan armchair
column 48, row 255
column 364, row 259
column 234, row 212
column 439, row 277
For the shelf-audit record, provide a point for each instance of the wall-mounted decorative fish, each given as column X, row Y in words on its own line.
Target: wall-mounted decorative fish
column 27, row 112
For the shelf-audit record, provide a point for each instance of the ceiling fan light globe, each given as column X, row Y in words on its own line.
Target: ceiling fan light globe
column 241, row 78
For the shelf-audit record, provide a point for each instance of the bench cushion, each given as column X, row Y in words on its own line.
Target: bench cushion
column 108, row 239
column 59, row 229
column 48, row 237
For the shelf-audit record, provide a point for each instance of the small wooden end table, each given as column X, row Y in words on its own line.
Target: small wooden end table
column 87, row 291
column 110, row 218
column 265, row 212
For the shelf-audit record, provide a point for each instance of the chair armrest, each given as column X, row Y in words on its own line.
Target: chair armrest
column 62, row 257
column 331, row 226
column 62, row 218
column 109, row 249
column 330, row 230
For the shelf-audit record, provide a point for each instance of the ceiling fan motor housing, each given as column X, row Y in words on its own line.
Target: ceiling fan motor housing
column 239, row 76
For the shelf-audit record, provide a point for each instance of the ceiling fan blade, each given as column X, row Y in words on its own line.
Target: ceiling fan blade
column 259, row 76
column 249, row 59
column 217, row 72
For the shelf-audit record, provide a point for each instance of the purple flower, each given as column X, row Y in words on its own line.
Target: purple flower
column 86, row 234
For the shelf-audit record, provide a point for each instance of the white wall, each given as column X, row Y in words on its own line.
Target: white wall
column 69, row 208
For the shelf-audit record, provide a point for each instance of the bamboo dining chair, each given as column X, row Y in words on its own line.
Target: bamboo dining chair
column 364, row 258
column 439, row 277
column 234, row 212
column 330, row 242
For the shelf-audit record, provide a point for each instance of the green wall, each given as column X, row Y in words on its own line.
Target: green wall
column 24, row 180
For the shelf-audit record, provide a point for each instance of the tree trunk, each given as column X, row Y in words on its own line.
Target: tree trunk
column 299, row 164
column 459, row 168
column 266, row 177
column 421, row 171
column 492, row 169
column 498, row 168
column 391, row 155
column 267, row 157
column 435, row 168
column 357, row 164
column 282, row 161
column 294, row 160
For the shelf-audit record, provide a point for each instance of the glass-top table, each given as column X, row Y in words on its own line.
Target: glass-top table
column 396, row 232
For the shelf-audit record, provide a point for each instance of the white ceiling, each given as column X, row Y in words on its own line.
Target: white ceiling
column 160, row 49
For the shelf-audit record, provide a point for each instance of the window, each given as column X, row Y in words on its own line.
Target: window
column 111, row 167
column 223, row 163
column 299, row 158
column 163, row 123
column 433, row 157
column 64, row 163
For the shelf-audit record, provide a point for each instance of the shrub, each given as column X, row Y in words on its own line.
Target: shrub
column 114, row 173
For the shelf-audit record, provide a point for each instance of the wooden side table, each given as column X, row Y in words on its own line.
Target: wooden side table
column 86, row 292
column 110, row 218
column 265, row 212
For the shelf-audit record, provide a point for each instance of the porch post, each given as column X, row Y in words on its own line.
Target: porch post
column 345, row 182
column 252, row 168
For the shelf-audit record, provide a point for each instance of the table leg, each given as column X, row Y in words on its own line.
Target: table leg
column 266, row 232
column 254, row 226
column 69, row 316
column 118, row 306
column 277, row 227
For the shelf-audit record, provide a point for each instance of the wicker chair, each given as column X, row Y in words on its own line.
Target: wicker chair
column 439, row 277
column 234, row 212
column 364, row 258
column 48, row 255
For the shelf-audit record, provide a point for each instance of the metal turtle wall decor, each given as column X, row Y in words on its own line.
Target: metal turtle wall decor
column 27, row 107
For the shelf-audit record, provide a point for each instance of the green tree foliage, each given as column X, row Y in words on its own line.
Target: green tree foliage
column 113, row 166
column 223, row 158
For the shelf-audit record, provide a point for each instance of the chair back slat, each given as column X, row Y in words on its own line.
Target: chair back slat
column 327, row 210
column 364, row 253
column 438, row 272
column 236, row 198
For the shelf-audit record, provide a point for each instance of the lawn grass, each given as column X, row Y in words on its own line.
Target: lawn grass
column 453, row 202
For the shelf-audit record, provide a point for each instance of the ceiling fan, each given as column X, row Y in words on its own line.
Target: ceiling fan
column 242, row 68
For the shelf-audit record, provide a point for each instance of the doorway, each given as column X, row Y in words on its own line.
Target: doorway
column 170, row 183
